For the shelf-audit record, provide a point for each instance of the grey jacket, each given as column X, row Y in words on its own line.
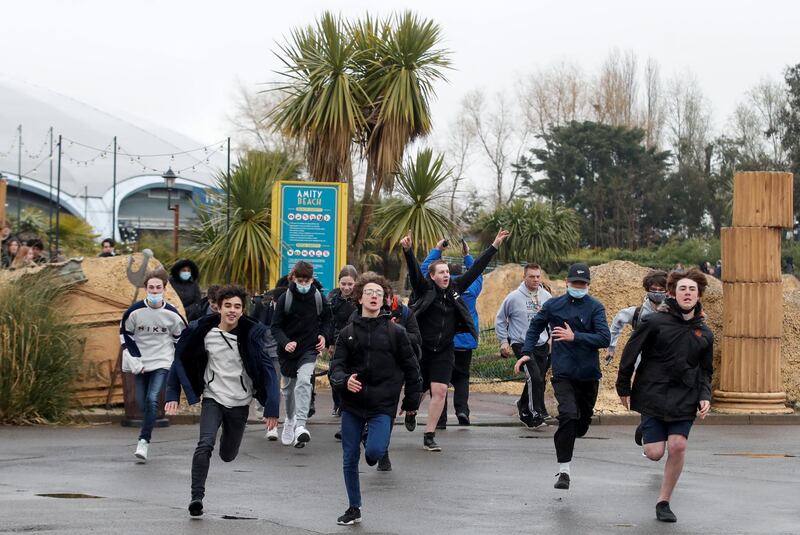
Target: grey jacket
column 516, row 313
column 625, row 317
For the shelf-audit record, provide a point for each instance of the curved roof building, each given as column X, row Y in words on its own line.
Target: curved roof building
column 144, row 152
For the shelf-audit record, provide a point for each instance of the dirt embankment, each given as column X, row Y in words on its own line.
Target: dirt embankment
column 618, row 285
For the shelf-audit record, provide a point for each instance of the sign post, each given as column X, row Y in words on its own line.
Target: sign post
column 309, row 222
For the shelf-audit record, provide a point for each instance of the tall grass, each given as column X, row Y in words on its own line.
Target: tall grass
column 39, row 350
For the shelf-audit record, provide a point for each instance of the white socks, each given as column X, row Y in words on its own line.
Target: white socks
column 563, row 468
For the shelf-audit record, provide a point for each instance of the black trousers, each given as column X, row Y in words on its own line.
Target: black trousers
column 535, row 370
column 576, row 401
column 460, row 381
column 212, row 417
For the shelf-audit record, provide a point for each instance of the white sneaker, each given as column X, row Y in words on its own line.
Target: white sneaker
column 301, row 437
column 141, row 450
column 272, row 434
column 287, row 437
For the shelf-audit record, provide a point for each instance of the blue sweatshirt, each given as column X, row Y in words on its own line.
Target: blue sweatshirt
column 461, row 340
column 586, row 317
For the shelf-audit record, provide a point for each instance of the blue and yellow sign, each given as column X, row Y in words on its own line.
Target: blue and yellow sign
column 309, row 222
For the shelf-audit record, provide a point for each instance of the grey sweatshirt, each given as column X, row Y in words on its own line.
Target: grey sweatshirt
column 516, row 313
column 625, row 317
column 227, row 382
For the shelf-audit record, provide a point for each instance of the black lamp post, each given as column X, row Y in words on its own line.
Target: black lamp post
column 169, row 179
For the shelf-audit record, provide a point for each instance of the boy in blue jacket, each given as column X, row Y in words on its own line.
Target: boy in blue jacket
column 579, row 330
column 463, row 343
column 222, row 358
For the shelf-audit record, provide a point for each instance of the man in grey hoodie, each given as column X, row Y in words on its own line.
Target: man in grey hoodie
column 511, row 325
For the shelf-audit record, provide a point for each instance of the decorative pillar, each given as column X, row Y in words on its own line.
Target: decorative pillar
column 750, row 372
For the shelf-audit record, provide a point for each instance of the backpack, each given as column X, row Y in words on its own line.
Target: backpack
column 287, row 304
column 636, row 314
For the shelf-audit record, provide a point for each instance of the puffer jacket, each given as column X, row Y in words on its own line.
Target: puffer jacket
column 365, row 348
column 674, row 374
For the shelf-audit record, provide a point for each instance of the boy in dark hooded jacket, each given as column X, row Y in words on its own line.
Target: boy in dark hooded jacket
column 183, row 277
column 373, row 360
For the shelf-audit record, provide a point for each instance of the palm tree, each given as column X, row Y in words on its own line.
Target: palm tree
column 400, row 64
column 419, row 206
column 245, row 250
column 540, row 232
column 324, row 99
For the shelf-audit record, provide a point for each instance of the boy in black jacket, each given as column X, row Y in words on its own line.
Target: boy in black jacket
column 222, row 358
column 373, row 360
column 301, row 327
column 441, row 313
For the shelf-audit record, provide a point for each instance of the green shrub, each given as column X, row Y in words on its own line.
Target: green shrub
column 39, row 351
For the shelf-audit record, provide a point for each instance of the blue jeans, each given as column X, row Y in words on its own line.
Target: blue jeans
column 148, row 389
column 376, row 447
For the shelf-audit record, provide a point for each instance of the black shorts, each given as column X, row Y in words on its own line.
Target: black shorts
column 657, row 430
column 436, row 367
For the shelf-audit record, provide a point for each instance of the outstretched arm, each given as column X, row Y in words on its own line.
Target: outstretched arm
column 465, row 280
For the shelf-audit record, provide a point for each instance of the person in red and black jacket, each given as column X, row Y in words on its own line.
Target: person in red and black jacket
column 673, row 379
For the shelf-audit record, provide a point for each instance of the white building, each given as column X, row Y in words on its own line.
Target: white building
column 144, row 152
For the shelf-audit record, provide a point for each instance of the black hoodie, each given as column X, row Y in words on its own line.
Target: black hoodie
column 676, row 367
column 188, row 291
column 302, row 324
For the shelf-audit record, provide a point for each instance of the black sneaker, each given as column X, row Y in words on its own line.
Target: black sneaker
column 537, row 422
column 528, row 421
column 338, row 435
column 350, row 517
column 385, row 465
column 562, row 482
column 637, row 436
column 336, row 411
column 521, row 409
column 411, row 422
column 664, row 513
column 463, row 419
column 196, row 507
column 429, row 443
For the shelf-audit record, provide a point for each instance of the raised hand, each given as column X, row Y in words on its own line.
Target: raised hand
column 500, row 238
column 406, row 243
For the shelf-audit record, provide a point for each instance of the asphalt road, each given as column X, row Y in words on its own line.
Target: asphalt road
column 487, row 480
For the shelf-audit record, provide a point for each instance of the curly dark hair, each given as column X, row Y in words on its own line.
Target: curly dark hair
column 370, row 277
column 694, row 274
column 229, row 291
column 655, row 277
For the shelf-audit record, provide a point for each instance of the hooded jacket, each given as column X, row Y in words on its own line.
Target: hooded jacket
column 433, row 305
column 674, row 374
column 341, row 310
column 365, row 349
column 462, row 340
column 191, row 359
column 578, row 359
column 625, row 317
column 188, row 291
column 516, row 313
column 302, row 324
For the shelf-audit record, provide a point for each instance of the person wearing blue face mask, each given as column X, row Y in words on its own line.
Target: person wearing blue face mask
column 148, row 332
column 184, row 276
column 579, row 329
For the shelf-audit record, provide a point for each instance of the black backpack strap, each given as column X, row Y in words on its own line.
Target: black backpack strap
column 636, row 314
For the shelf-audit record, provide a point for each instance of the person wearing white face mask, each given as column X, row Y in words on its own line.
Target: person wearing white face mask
column 579, row 329
column 148, row 332
column 184, row 276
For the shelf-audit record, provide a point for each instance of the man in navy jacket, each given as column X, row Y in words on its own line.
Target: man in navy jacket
column 579, row 330
column 222, row 358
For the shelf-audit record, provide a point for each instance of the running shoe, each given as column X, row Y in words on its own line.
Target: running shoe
column 562, row 482
column 429, row 443
column 196, row 507
column 411, row 421
column 664, row 513
column 350, row 517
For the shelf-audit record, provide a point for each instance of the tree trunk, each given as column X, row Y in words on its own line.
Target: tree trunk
column 365, row 218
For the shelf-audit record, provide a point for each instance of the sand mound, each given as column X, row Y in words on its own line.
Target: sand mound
column 618, row 285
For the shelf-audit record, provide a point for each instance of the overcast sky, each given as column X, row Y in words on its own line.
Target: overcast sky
column 179, row 63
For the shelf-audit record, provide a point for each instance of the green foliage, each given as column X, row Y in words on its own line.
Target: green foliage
column 418, row 205
column 39, row 350
column 245, row 250
column 76, row 236
column 540, row 233
column 790, row 121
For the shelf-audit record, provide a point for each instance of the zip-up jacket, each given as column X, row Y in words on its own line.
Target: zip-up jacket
column 578, row 359
column 674, row 374
column 191, row 360
column 441, row 313
column 462, row 340
column 365, row 348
